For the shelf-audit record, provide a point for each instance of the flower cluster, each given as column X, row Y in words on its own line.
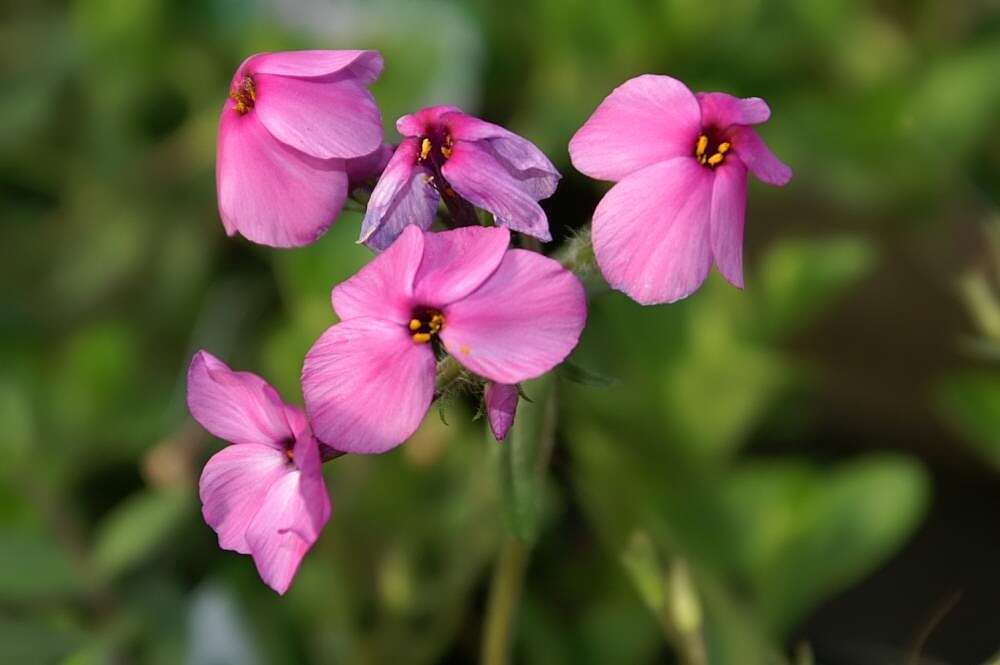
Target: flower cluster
column 300, row 131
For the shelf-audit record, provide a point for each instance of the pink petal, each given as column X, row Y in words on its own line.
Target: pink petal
column 522, row 322
column 270, row 193
column 363, row 66
column 238, row 407
column 368, row 167
column 403, row 196
column 729, row 200
column 367, row 385
column 483, row 181
column 456, row 263
column 233, row 486
column 416, row 124
column 651, row 231
column 753, row 152
column 720, row 110
column 384, row 287
column 645, row 120
column 325, row 119
column 501, row 405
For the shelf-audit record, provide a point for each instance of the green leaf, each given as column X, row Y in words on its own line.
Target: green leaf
column 33, row 566
column 135, row 529
column 970, row 402
column 35, row 641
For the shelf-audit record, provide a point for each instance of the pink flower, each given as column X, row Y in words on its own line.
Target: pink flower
column 264, row 495
column 501, row 405
column 466, row 160
column 291, row 125
column 680, row 161
column 506, row 315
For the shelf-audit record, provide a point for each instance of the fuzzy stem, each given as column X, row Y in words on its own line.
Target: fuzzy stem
column 577, row 255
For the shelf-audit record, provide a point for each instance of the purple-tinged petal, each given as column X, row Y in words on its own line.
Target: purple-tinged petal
column 523, row 321
column 315, row 499
column 729, row 200
column 651, row 231
column 325, row 119
column 645, row 120
column 233, row 486
column 367, row 385
column 404, row 196
column 501, row 405
column 384, row 287
column 269, row 193
column 753, row 152
column 455, row 263
column 238, row 407
column 720, row 110
column 363, row 66
column 416, row 124
column 483, row 181
column 368, row 167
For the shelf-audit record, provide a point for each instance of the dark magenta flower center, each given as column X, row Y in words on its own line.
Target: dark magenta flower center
column 244, row 94
column 711, row 147
column 425, row 323
column 436, row 145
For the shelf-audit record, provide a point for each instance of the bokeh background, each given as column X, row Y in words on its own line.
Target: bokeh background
column 804, row 471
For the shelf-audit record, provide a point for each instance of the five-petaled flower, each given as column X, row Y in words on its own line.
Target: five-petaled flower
column 507, row 315
column 264, row 495
column 680, row 161
column 288, row 136
column 464, row 160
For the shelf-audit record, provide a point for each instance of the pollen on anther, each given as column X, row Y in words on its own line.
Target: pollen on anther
column 415, row 324
column 715, row 159
column 425, row 148
column 724, row 147
column 702, row 146
column 421, row 338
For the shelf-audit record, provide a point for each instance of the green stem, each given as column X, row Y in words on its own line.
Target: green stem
column 577, row 255
column 505, row 596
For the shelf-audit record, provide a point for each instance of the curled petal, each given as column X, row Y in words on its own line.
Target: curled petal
column 651, row 231
column 721, row 110
column 362, row 66
column 456, row 262
column 403, row 196
column 523, row 321
column 367, row 385
column 645, row 120
column 729, row 199
column 753, row 152
column 501, row 405
column 384, row 287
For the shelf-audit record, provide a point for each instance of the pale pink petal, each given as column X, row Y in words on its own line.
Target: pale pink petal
column 369, row 167
column 269, row 193
column 523, row 321
column 753, row 152
column 651, row 231
column 384, row 287
column 501, row 405
column 276, row 533
column 325, row 119
column 238, row 407
column 645, row 120
column 729, row 199
column 483, row 181
column 456, row 262
column 233, row 486
column 415, row 124
column 720, row 110
column 363, row 66
column 403, row 196
column 367, row 385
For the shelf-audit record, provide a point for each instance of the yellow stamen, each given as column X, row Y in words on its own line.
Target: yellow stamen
column 422, row 338
column 425, row 149
column 715, row 159
column 724, row 148
column 702, row 145
column 415, row 325
column 447, row 148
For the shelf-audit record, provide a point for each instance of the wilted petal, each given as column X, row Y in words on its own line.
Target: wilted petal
column 645, row 120
column 238, row 407
column 483, row 181
column 233, row 486
column 456, row 262
column 721, row 110
column 501, row 405
column 362, row 66
column 325, row 119
column 403, row 196
column 729, row 199
column 523, row 321
column 753, row 152
column 270, row 193
column 651, row 231
column 384, row 287
column 367, row 385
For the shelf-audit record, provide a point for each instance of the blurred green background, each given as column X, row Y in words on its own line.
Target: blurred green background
column 805, row 471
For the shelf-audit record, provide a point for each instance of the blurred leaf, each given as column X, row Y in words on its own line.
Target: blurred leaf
column 34, row 641
column 33, row 566
column 584, row 376
column 970, row 402
column 136, row 528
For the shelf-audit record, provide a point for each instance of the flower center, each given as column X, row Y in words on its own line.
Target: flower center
column 436, row 142
column 710, row 150
column 425, row 324
column 244, row 94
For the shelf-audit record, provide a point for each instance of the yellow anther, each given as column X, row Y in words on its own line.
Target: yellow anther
column 702, row 146
column 724, row 148
column 425, row 148
column 446, row 151
column 421, row 338
column 715, row 159
column 415, row 324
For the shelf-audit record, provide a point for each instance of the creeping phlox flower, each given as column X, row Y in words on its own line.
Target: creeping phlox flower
column 507, row 315
column 264, row 495
column 465, row 160
column 500, row 401
column 288, row 136
column 680, row 161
